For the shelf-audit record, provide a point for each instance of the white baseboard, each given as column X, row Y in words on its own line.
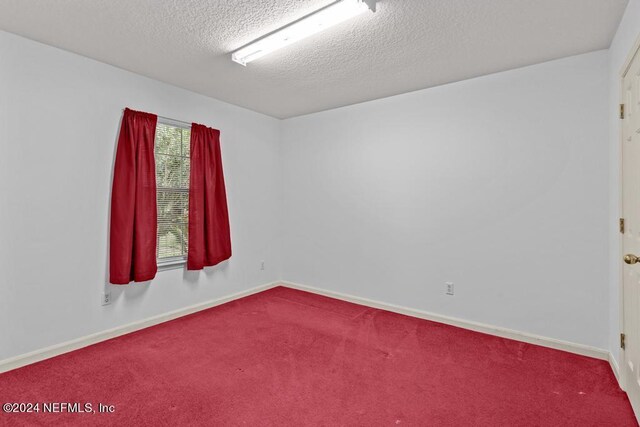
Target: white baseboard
column 581, row 349
column 65, row 347
column 616, row 370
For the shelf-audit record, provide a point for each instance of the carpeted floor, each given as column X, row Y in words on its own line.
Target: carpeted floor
column 285, row 357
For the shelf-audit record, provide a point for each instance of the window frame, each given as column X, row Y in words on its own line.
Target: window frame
column 176, row 262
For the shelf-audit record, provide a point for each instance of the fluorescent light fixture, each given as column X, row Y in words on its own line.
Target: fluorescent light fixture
column 313, row 23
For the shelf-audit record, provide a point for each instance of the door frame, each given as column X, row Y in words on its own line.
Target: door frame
column 635, row 50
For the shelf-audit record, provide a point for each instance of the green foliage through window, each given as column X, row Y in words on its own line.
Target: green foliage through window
column 172, row 181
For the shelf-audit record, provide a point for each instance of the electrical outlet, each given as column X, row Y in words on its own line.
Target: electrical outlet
column 261, row 265
column 449, row 288
column 106, row 297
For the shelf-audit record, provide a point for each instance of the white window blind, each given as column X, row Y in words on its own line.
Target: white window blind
column 172, row 181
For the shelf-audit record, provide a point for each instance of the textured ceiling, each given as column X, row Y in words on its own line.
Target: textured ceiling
column 406, row 45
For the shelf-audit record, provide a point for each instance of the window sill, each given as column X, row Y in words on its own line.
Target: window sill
column 171, row 264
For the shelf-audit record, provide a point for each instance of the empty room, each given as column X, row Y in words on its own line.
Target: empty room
column 320, row 212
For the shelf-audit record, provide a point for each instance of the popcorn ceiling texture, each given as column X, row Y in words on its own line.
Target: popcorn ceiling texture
column 406, row 45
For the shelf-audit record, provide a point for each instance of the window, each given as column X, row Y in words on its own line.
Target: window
column 172, row 181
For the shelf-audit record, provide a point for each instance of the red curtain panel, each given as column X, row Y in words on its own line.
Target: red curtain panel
column 209, row 235
column 133, row 201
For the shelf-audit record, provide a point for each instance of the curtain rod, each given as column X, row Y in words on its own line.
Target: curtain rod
column 169, row 119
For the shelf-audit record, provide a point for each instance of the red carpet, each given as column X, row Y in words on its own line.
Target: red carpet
column 284, row 357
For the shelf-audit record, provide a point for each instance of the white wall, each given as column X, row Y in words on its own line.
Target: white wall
column 59, row 120
column 499, row 184
column 623, row 42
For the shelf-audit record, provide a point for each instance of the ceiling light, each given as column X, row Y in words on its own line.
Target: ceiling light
column 313, row 23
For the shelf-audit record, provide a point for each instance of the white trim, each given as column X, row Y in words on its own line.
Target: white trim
column 581, row 349
column 616, row 370
column 173, row 122
column 173, row 264
column 630, row 56
column 623, row 73
column 75, row 344
column 78, row 343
